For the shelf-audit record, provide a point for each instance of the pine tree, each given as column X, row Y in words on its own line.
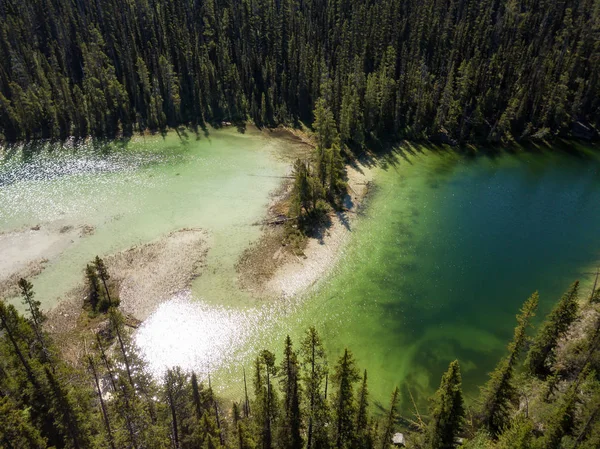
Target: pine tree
column 36, row 316
column 447, row 411
column 344, row 376
column 390, row 422
column 104, row 277
column 70, row 421
column 540, row 356
column 116, row 322
column 363, row 437
column 499, row 391
column 196, row 396
column 301, row 193
column 175, row 382
column 103, row 409
column 93, row 296
column 561, row 421
column 314, row 370
column 290, row 436
column 519, row 435
column 17, row 431
column 265, row 397
column 13, row 327
column 325, row 126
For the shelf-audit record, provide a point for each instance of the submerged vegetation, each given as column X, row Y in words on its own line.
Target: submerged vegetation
column 548, row 399
column 452, row 71
column 363, row 73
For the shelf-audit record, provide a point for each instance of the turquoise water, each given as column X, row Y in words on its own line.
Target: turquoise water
column 137, row 191
column 438, row 263
column 444, row 256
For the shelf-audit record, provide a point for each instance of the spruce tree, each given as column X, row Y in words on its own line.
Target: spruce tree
column 71, row 421
column 16, row 429
column 265, row 397
column 103, row 408
column 499, row 391
column 344, row 376
column 390, row 421
column 196, row 396
column 175, row 382
column 324, row 125
column 362, row 434
column 314, row 370
column 541, row 354
column 561, row 421
column 104, row 277
column 447, row 411
column 519, row 435
column 93, row 296
column 290, row 436
column 36, row 316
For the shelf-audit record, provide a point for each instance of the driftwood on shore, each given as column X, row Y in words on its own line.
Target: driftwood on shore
column 131, row 321
column 281, row 219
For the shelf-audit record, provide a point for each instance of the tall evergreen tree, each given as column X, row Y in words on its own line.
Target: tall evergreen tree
column 290, row 435
column 266, row 400
column 363, row 438
column 540, row 356
column 447, row 411
column 104, row 277
column 344, row 376
column 36, row 316
column 499, row 391
column 390, row 422
column 314, row 371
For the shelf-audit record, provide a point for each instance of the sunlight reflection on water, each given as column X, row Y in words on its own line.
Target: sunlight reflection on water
column 18, row 163
column 197, row 337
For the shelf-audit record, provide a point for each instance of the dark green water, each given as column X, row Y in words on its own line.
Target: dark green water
column 447, row 251
column 436, row 268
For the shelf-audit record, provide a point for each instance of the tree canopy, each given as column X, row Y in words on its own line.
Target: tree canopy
column 455, row 70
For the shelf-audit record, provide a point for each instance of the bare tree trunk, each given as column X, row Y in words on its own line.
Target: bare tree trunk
column 595, row 284
column 102, row 405
column 125, row 413
column 247, row 402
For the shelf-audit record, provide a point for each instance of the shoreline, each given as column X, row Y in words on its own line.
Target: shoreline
column 27, row 251
column 145, row 276
column 272, row 269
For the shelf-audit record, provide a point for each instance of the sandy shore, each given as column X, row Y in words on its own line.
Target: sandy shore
column 145, row 276
column 25, row 253
column 149, row 274
column 272, row 270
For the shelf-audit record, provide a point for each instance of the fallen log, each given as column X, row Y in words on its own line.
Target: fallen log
column 280, row 220
column 131, row 321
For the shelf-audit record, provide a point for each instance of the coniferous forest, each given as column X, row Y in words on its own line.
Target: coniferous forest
column 451, row 70
column 360, row 72
column 543, row 394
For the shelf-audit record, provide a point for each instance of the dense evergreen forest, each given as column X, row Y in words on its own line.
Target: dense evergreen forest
column 543, row 394
column 451, row 70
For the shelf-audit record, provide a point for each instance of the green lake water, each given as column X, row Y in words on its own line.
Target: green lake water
column 437, row 265
column 446, row 252
column 138, row 191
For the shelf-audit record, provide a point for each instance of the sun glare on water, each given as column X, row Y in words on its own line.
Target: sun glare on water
column 196, row 337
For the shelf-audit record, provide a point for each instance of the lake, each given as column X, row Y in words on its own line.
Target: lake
column 440, row 259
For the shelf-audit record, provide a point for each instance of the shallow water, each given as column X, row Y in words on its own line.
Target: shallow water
column 447, row 252
column 438, row 265
column 137, row 191
column 436, row 268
